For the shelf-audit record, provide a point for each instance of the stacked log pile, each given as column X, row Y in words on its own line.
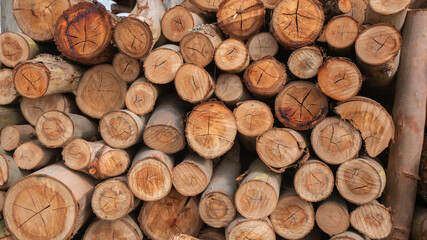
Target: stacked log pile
column 211, row 119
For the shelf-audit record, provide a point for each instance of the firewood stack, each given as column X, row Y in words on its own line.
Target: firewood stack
column 199, row 119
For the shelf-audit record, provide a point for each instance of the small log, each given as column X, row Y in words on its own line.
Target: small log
column 95, row 159
column 56, row 129
column 79, row 39
column 232, row 56
column 178, row 21
column 150, row 176
column 126, row 68
column 371, row 119
column 418, row 230
column 270, row 4
column 341, row 33
column 10, row 116
column 211, row 129
column 361, row 180
column 348, row 235
column 335, row 141
column 332, row 215
column 141, row 96
column 292, row 33
column 136, row 34
column 339, row 79
column 393, row 13
column 358, row 10
column 16, row 48
column 314, row 181
column 119, row 8
column 9, row 172
column 207, row 5
column 123, row 228
column 335, row 7
column 293, row 217
column 32, row 109
column 181, row 236
column 241, row 228
column 122, row 128
column 112, row 199
column 52, row 203
column 179, row 214
column 304, row 62
column 164, row 130
column 33, row 155
column 211, row 234
column 8, row 94
column 241, row 20
column 252, row 119
column 261, row 45
column 301, row 105
column 14, row 135
column 192, row 175
column 258, row 194
column 198, row 46
column 378, row 53
column 372, row 219
column 46, row 75
column 266, row 77
column 194, row 84
column 100, row 91
column 216, row 206
column 280, row 147
column 230, row 89
column 162, row 64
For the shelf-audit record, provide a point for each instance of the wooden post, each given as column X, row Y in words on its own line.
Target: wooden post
column 340, row 34
column 123, row 228
column 16, row 48
column 314, row 181
column 8, row 94
column 372, row 219
column 14, row 135
column 230, row 89
column 304, row 62
column 261, row 45
column 232, row 56
column 9, row 172
column 126, row 68
column 388, row 12
column 162, row 64
column 241, row 228
column 33, row 155
column 332, row 215
column 141, row 96
column 178, row 21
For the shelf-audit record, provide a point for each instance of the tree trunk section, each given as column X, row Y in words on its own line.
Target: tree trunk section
column 9, row 172
column 332, row 215
column 10, row 116
column 304, row 62
column 243, row 228
column 33, row 155
column 194, row 84
column 123, row 228
column 372, row 219
column 393, row 13
column 178, row 21
column 181, row 236
column 16, row 48
column 127, row 68
column 262, row 45
column 232, row 56
column 211, row 233
column 141, row 96
column 207, row 5
column 348, row 235
column 162, row 64
column 8, row 94
column 358, row 10
column 340, row 34
column 230, row 89
column 419, row 223
column 14, row 135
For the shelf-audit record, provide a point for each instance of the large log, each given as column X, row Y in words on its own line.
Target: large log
column 8, row 94
column 409, row 116
column 33, row 155
column 373, row 220
column 123, row 228
column 232, row 56
column 127, row 68
column 393, row 12
column 332, row 215
column 261, row 45
column 230, row 90
column 162, row 64
column 14, row 135
column 16, row 48
column 314, row 181
column 304, row 62
column 9, row 172
column 141, row 96
column 178, row 21
column 243, row 228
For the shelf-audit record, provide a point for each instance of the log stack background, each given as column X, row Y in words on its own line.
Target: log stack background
column 210, row 119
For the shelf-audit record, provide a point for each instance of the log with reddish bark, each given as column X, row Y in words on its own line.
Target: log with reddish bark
column 16, row 48
column 14, row 135
column 8, row 94
column 123, row 228
column 178, row 21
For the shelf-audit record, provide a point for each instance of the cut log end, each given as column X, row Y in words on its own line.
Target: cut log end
column 133, row 37
column 388, row 8
column 262, row 45
column 194, row 84
column 162, row 64
column 124, row 228
column 341, row 33
column 164, row 138
column 255, row 199
column 242, row 228
column 304, row 62
column 177, row 22
column 31, row 79
column 332, row 216
column 207, row 5
column 16, row 48
column 33, row 155
column 253, row 118
column 232, row 56
column 197, row 48
column 217, row 209
column 14, row 135
column 55, row 129
column 314, row 181
column 229, row 89
column 127, row 68
column 141, row 97
column 111, row 164
column 8, row 93
column 373, row 220
column 349, row 235
column 76, row 154
column 211, row 234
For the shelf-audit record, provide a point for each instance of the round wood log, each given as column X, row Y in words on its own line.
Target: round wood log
column 162, row 64
column 388, row 12
column 358, row 10
column 2, row 197
column 37, row 18
column 301, row 105
column 211, row 129
column 150, row 176
column 361, row 180
column 211, row 234
column 341, row 33
column 216, row 206
column 335, row 7
column 9, row 172
column 83, row 33
column 171, row 215
column 270, row 4
column 122, row 128
column 348, row 235
column 332, row 215
column 127, row 68
column 182, row 236
column 232, row 56
column 339, row 79
column 418, row 230
column 198, row 46
column 230, row 90
column 32, row 109
column 372, row 219
column 46, row 75
column 194, row 84
column 178, row 21
column 33, row 155
column 119, row 8
column 297, row 23
column 123, row 228
column 261, row 45
column 304, row 62
column 293, row 217
column 280, row 147
column 241, row 20
column 10, row 116
column 141, row 96
column 314, row 181
column 242, row 228
column 100, row 91
column 371, row 119
column 378, row 53
column 192, row 175
column 112, row 199
column 16, row 48
column 259, row 191
column 52, row 203
column 136, row 34
column 335, row 141
column 266, row 77
column 14, row 135
column 164, row 130
column 8, row 94
column 207, row 5
column 56, row 129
